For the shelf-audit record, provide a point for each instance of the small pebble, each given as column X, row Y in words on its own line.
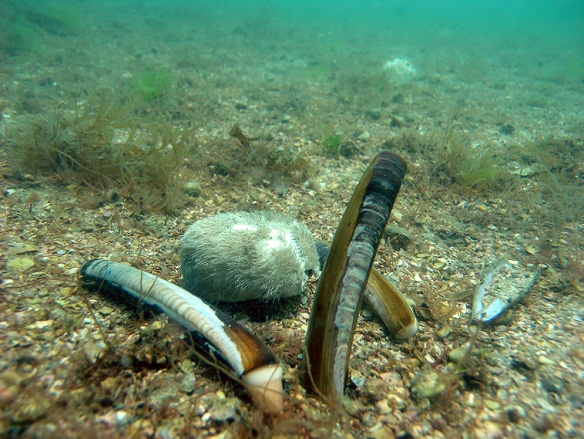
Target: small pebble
column 493, row 405
column 458, row 354
column 358, row 379
column 188, row 383
column 193, row 188
column 427, row 384
column 185, row 365
column 545, row 360
column 105, row 310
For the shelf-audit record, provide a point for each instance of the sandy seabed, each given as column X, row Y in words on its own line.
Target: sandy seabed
column 74, row 364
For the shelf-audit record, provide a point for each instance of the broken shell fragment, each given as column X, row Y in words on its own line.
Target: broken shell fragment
column 503, row 286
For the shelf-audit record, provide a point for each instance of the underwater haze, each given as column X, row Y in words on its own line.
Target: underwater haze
column 475, row 39
column 492, row 41
column 123, row 122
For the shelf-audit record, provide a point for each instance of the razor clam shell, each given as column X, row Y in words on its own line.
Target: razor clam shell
column 384, row 298
column 215, row 331
column 503, row 286
column 342, row 284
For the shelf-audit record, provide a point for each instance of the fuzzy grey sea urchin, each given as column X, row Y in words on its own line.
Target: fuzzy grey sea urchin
column 239, row 256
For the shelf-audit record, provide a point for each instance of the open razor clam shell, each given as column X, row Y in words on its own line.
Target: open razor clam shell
column 383, row 297
column 251, row 360
column 503, row 286
column 340, row 291
column 390, row 306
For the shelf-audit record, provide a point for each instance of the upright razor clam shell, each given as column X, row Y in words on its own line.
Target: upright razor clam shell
column 342, row 285
column 384, row 299
column 239, row 256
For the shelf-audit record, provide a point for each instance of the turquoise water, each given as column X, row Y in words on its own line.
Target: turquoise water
column 312, row 69
column 542, row 38
column 123, row 122
column 362, row 73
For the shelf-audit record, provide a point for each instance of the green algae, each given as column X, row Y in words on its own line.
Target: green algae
column 153, row 84
column 470, row 166
column 105, row 147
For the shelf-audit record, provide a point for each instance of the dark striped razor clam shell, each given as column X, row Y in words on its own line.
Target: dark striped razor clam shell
column 344, row 278
column 384, row 298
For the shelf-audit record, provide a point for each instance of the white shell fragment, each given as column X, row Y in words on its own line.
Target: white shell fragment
column 504, row 285
column 400, row 71
column 239, row 256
